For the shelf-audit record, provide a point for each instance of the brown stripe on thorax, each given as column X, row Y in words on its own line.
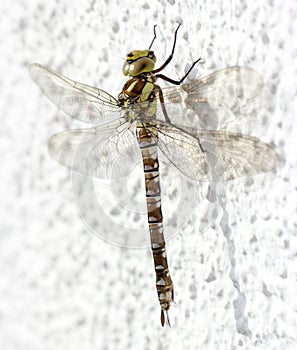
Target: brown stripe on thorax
column 134, row 86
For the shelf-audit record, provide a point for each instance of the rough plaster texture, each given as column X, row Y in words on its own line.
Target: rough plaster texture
column 62, row 287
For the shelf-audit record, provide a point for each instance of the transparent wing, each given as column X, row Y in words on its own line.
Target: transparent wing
column 96, row 153
column 80, row 101
column 217, row 101
column 215, row 155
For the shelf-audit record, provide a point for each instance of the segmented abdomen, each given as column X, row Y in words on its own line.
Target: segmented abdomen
column 149, row 151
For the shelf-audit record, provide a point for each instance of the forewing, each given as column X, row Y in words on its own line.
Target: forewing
column 80, row 101
column 215, row 155
column 216, row 100
column 233, row 84
column 95, row 153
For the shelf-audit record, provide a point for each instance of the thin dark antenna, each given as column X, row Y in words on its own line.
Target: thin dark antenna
column 155, row 35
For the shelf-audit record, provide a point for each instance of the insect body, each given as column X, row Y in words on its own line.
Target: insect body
column 137, row 123
column 142, row 89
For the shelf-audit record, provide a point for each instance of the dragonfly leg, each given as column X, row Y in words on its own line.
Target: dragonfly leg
column 178, row 82
column 161, row 98
column 170, row 56
column 153, row 37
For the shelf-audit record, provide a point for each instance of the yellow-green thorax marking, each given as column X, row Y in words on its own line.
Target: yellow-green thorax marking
column 140, row 88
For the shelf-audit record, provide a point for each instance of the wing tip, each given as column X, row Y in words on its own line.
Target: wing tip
column 33, row 68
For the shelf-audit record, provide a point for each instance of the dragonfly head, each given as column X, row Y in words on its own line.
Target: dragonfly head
column 138, row 62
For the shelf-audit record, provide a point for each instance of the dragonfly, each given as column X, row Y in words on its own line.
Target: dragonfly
column 179, row 121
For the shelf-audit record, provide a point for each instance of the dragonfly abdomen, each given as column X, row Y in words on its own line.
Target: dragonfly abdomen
column 149, row 152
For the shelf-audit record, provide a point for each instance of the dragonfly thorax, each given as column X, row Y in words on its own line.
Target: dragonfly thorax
column 138, row 62
column 138, row 89
column 139, row 95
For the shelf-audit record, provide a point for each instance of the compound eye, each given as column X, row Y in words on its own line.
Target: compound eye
column 142, row 65
column 126, row 68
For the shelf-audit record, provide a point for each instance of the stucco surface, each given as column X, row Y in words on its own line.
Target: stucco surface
column 62, row 287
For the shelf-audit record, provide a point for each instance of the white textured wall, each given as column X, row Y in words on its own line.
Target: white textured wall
column 63, row 288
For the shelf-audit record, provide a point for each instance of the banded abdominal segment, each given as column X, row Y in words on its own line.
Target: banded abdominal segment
column 149, row 152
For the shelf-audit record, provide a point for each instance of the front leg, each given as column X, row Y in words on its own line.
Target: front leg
column 161, row 98
column 178, row 82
